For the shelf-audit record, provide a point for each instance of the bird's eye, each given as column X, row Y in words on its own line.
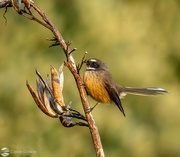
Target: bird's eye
column 94, row 64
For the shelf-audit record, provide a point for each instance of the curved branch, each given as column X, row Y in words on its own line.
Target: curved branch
column 73, row 68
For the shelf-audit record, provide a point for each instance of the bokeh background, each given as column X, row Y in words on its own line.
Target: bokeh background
column 139, row 40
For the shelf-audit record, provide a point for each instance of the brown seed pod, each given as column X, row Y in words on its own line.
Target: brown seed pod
column 39, row 103
column 17, row 5
column 26, row 3
column 56, row 87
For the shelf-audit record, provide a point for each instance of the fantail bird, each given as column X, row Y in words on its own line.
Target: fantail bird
column 100, row 85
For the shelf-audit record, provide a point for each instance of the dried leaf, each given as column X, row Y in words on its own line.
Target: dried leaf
column 47, row 101
column 56, row 87
column 48, row 81
column 69, row 105
column 61, row 77
column 17, row 5
column 40, row 90
column 39, row 103
column 3, row 3
column 66, row 123
column 45, row 84
column 54, row 105
column 68, row 119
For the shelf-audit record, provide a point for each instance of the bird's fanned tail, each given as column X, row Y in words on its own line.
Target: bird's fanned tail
column 140, row 91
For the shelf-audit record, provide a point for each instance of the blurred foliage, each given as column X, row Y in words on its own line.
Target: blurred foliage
column 139, row 40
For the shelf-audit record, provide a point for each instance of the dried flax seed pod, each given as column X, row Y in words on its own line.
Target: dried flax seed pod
column 17, row 5
column 39, row 103
column 3, row 3
column 26, row 3
column 47, row 101
column 61, row 77
column 55, row 106
column 56, row 87
column 48, row 81
column 40, row 90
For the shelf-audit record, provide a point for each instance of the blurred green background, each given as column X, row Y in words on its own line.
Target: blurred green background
column 139, row 40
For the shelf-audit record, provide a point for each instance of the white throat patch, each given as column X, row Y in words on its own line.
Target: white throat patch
column 90, row 68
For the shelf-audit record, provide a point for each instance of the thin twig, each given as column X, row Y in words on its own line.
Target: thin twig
column 34, row 18
column 74, row 49
column 82, row 62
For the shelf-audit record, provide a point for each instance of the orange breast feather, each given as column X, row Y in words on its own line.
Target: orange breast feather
column 95, row 87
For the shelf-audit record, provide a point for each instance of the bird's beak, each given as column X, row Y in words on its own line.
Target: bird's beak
column 85, row 61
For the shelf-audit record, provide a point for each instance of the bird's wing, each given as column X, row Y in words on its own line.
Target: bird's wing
column 114, row 95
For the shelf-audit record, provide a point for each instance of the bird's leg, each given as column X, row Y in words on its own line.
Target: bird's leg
column 90, row 110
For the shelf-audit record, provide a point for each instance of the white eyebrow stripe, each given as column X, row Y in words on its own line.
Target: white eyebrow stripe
column 93, row 60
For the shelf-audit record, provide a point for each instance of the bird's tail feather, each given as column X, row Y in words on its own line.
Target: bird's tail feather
column 141, row 91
